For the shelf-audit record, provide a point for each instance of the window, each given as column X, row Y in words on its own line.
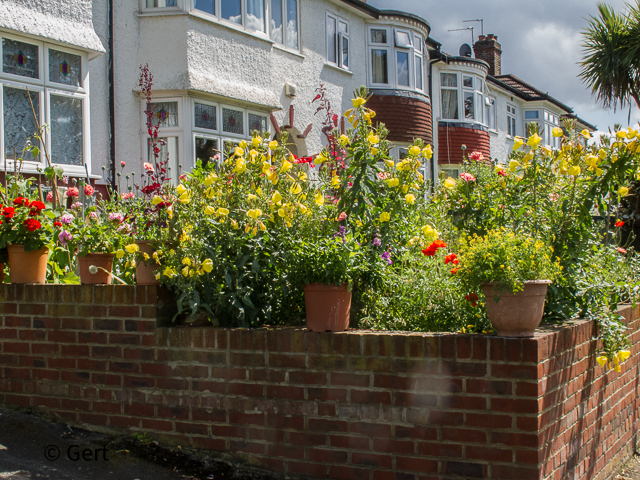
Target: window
column 396, row 58
column 449, row 93
column 57, row 85
column 462, row 94
column 490, row 112
column 531, row 114
column 551, row 121
column 337, row 41
column 284, row 23
column 160, row 3
column 511, row 120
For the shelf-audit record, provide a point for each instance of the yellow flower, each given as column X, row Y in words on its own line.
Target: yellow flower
column 302, row 208
column 241, row 166
column 373, row 150
column 621, row 134
column 319, row 198
column 344, row 140
column 624, row 354
column 185, row 271
column 169, row 272
column 623, row 191
column 286, row 166
column 389, row 163
column 238, row 151
column 302, row 177
column 528, row 157
column 132, row 248
column 602, row 153
column 185, row 197
column 385, row 216
column 145, row 256
column 591, row 160
column 170, row 212
column 411, row 199
column 207, row 265
column 211, row 178
column 449, row 183
column 557, row 132
column 257, row 140
column 373, row 138
column 156, row 200
column 186, row 261
column 358, row 102
column 251, row 197
column 243, row 144
column 276, row 198
column 513, row 165
column 414, row 151
column 404, row 188
column 222, row 211
column 427, row 152
column 120, row 253
column 393, row 182
column 209, row 210
column 272, row 177
column 574, row 170
column 234, row 224
column 585, row 133
column 273, row 144
column 254, row 213
column 614, row 158
column 181, row 189
column 321, row 158
column 534, row 140
column 282, row 213
column 335, row 181
column 295, row 189
column 599, row 171
column 517, row 143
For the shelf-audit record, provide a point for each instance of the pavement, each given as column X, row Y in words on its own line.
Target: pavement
column 32, row 448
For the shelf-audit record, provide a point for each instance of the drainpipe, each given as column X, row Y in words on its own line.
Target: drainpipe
column 433, row 131
column 112, row 99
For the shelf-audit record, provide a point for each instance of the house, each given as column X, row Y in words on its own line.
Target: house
column 225, row 68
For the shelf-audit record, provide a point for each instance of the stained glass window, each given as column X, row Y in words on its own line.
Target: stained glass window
column 257, row 122
column 205, row 116
column 66, row 130
column 165, row 113
column 65, row 68
column 232, row 121
column 19, row 123
column 20, row 58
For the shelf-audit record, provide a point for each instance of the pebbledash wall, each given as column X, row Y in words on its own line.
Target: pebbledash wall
column 351, row 405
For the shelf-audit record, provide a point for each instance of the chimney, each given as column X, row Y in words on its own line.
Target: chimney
column 488, row 49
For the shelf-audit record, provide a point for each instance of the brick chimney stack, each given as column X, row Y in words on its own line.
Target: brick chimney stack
column 488, row 49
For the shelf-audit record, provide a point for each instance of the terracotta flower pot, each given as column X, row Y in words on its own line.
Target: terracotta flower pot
column 516, row 314
column 103, row 260
column 328, row 307
column 27, row 267
column 146, row 274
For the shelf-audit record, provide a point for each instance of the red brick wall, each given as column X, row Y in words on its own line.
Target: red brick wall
column 366, row 405
column 406, row 118
column 451, row 139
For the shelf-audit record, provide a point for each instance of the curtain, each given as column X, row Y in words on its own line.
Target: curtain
column 379, row 71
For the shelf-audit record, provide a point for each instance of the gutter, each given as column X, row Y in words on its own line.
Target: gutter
column 112, row 99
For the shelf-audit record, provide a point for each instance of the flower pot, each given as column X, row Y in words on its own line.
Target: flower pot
column 27, row 267
column 101, row 260
column 516, row 314
column 145, row 274
column 328, row 307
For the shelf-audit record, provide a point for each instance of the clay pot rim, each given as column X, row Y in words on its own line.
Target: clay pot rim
column 21, row 245
column 326, row 286
column 526, row 282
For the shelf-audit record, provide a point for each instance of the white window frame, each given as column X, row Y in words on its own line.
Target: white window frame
column 340, row 37
column 45, row 89
column 490, row 103
column 177, row 8
column 285, row 20
column 512, row 120
column 477, row 90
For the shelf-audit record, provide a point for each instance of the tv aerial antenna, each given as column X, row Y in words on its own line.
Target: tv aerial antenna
column 477, row 20
column 461, row 29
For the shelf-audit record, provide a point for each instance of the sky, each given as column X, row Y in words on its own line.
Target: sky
column 541, row 43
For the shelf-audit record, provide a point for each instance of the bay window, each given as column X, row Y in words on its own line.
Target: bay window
column 396, row 58
column 463, row 97
column 52, row 83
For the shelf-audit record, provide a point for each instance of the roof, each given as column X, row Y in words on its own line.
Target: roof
column 376, row 13
column 525, row 91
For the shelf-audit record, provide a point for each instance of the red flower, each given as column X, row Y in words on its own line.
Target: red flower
column 619, row 223
column 36, row 207
column 151, row 188
column 88, row 190
column 122, row 164
column 49, row 197
column 621, row 250
column 454, row 271
column 473, row 298
column 8, row 212
column 342, row 216
column 431, row 250
column 72, row 192
column 32, row 224
column 451, row 258
column 21, row 202
column 57, row 224
column 467, row 177
column 502, row 173
column 477, row 156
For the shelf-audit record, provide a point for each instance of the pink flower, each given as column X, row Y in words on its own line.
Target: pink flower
column 65, row 237
column 72, row 192
column 67, row 218
column 49, row 197
column 122, row 164
column 342, row 216
column 183, row 176
column 93, row 215
column 77, row 205
column 116, row 217
column 383, row 175
column 621, row 250
column 88, row 190
column 467, row 177
column 477, row 156
column 126, row 196
column 148, row 167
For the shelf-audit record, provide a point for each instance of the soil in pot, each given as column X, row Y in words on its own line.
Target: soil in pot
column 27, row 267
column 516, row 314
column 328, row 307
column 101, row 260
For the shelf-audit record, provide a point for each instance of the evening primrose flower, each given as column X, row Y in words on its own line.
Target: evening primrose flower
column 557, row 132
column 185, row 197
column 414, row 151
column 286, row 166
column 207, row 265
column 449, row 183
column 254, row 213
column 335, row 181
column 373, row 139
column 517, row 143
column 157, row 200
column 393, row 182
column 623, row 191
column 624, row 354
column 321, row 158
column 602, row 153
column 251, row 197
column 234, row 224
column 410, row 199
column 429, row 232
column 169, row 272
column 120, row 253
column 185, row 271
column 385, row 216
column 344, row 140
column 257, row 140
column 276, row 197
column 241, row 166
column 513, row 165
column 389, row 163
column 295, row 188
column 621, row 134
column 186, row 261
column 243, row 144
column 273, row 144
column 209, row 210
column 319, row 199
column 585, row 133
column 222, row 211
column 211, row 178
column 238, row 151
column 132, row 248
column 534, row 140
column 574, row 170
column 373, row 150
column 181, row 189
column 427, row 152
column 358, row 102
column 602, row 360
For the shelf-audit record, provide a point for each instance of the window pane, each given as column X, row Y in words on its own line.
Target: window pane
column 231, row 10
column 531, row 114
column 403, row 39
column 479, row 111
column 417, row 42
column 232, row 121
column 19, row 58
column 379, row 72
column 343, row 28
column 66, row 130
column 19, row 123
column 65, row 68
column 331, row 40
column 292, row 23
column 208, row 6
column 165, row 113
column 419, row 73
column 276, row 21
column 205, row 116
column 403, row 68
column 448, row 80
column 255, row 15
column 468, row 105
column 161, row 3
column 378, row 36
column 206, row 150
column 467, row 82
column 450, row 104
column 168, row 156
column 257, row 122
column 345, row 51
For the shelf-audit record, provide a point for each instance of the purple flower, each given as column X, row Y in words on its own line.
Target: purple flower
column 116, row 217
column 342, row 231
column 77, row 205
column 65, row 237
column 387, row 256
column 67, row 218
column 376, row 242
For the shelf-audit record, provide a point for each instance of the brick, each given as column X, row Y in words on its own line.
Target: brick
column 305, row 468
column 465, row 469
column 247, row 389
column 371, row 429
column 492, row 454
column 371, row 397
column 416, row 464
column 307, row 378
column 322, row 425
column 346, row 473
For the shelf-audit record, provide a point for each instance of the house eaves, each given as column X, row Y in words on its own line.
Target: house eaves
column 377, row 13
column 524, row 90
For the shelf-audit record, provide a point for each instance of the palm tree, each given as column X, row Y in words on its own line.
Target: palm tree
column 611, row 64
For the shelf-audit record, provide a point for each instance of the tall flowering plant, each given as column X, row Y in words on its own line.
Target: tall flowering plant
column 25, row 222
